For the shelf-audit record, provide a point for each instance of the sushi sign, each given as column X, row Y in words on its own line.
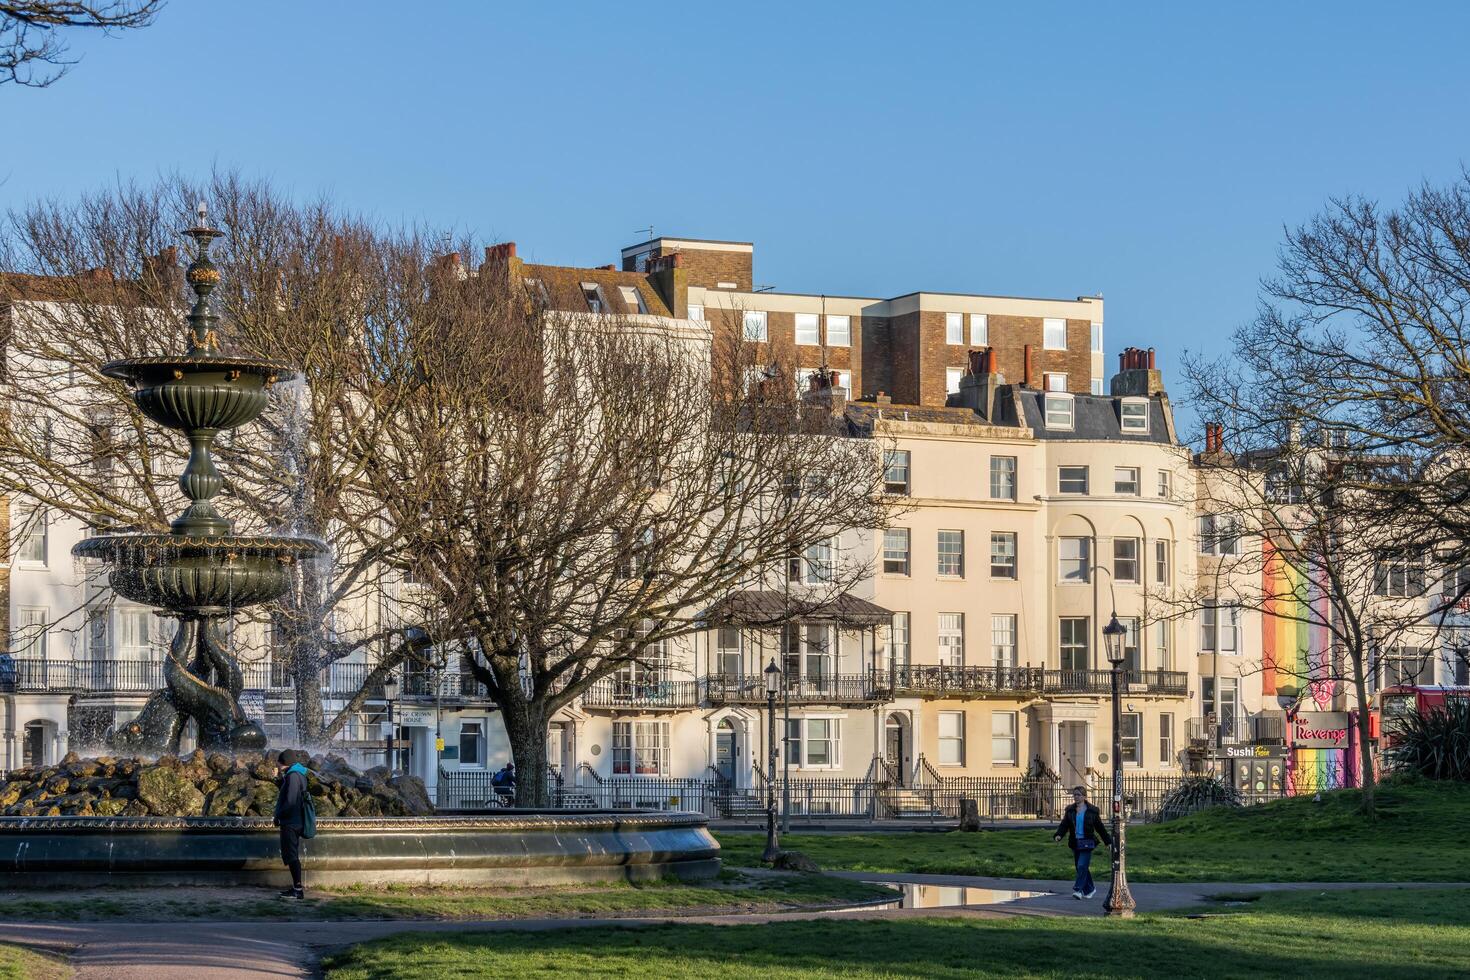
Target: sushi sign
column 1320, row 730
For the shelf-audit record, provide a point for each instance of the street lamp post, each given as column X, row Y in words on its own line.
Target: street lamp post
column 773, row 684
column 390, row 689
column 1119, row 902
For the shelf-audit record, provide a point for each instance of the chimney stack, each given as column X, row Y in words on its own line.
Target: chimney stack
column 1214, row 438
column 500, row 253
column 822, row 390
column 980, row 383
column 164, row 266
column 1137, row 374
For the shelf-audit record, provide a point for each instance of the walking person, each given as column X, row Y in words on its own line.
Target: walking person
column 291, row 815
column 1083, row 827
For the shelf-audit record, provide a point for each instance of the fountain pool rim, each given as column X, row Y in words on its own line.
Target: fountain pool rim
column 508, row 847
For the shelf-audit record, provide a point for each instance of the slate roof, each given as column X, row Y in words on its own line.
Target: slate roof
column 864, row 415
column 564, row 288
column 1096, row 418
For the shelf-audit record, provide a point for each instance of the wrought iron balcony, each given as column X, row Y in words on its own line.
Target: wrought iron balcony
column 1264, row 729
column 643, row 693
column 936, row 681
column 29, row 675
column 821, row 689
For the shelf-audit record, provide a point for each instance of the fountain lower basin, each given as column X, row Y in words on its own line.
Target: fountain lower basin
column 526, row 847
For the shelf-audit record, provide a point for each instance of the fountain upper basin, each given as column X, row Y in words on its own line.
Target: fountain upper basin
column 180, row 572
column 200, row 391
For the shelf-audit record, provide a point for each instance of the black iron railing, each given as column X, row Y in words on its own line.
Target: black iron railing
column 1239, row 730
column 963, row 681
column 979, row 681
column 820, row 689
column 651, row 692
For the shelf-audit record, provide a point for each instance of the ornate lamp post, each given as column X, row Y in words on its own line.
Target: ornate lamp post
column 773, row 684
column 390, row 691
column 1119, row 901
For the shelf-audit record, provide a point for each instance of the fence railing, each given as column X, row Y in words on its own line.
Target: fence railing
column 929, row 797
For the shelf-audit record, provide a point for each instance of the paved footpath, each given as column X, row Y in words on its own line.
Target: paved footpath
column 203, row 950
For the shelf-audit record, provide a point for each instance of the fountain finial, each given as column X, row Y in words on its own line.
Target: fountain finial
column 202, row 276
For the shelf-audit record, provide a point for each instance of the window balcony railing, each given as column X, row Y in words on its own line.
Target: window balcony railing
column 820, row 689
column 965, row 681
column 42, row 675
column 639, row 692
column 1264, row 729
column 936, row 681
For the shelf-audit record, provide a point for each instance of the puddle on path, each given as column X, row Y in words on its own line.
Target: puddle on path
column 913, row 896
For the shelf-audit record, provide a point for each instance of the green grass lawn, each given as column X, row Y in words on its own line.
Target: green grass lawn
column 731, row 892
column 24, row 964
column 1382, row 934
column 1290, row 840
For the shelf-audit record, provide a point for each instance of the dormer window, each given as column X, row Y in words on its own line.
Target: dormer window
column 1060, row 411
column 1133, row 414
column 633, row 299
column 596, row 302
column 537, row 289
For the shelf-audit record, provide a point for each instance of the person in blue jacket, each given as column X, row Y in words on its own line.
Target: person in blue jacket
column 1083, row 827
column 291, row 815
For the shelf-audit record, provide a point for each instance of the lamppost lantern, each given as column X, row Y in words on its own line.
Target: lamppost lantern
column 1113, row 634
column 1119, row 901
column 773, row 684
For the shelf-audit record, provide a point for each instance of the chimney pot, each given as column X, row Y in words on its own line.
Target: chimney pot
column 1027, row 374
column 1150, row 358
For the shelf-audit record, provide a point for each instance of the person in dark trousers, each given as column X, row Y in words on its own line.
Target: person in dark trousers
column 291, row 815
column 1082, row 825
column 504, row 781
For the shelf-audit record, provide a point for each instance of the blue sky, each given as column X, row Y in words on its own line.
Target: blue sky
column 1150, row 152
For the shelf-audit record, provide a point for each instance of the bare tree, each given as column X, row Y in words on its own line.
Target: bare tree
column 32, row 50
column 579, row 491
column 101, row 279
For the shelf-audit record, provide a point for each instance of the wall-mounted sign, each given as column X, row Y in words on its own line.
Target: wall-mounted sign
column 415, row 717
column 252, row 702
column 1320, row 730
column 1252, row 752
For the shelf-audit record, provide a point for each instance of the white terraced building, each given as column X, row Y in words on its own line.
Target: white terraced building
column 1037, row 498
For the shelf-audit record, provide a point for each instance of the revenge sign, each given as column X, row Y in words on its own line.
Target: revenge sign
column 1320, row 730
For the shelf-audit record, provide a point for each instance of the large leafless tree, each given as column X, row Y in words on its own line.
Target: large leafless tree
column 578, row 492
column 33, row 49
column 1353, row 381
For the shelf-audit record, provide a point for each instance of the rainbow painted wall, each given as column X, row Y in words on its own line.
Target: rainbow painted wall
column 1296, row 652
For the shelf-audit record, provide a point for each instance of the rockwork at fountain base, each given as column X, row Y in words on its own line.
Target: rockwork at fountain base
column 212, row 785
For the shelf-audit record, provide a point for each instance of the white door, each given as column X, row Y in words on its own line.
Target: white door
column 1074, row 753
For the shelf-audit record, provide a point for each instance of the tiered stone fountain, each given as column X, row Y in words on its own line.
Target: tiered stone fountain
column 200, row 571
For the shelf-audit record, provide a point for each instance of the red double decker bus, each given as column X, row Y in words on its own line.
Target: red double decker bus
column 1398, row 702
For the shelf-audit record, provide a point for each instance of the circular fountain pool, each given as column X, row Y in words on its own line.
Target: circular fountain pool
column 526, row 847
